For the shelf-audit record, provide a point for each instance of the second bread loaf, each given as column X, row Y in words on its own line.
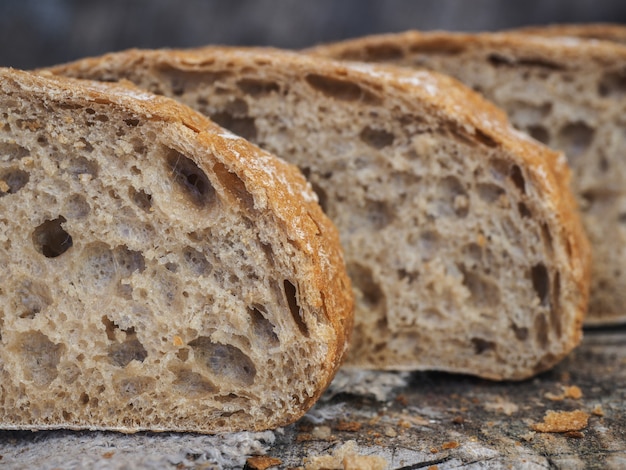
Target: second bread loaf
column 461, row 237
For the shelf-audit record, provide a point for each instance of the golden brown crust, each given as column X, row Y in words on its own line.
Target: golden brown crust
column 448, row 100
column 281, row 194
column 599, row 31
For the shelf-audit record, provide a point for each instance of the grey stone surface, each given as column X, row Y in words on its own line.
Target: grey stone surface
column 36, row 33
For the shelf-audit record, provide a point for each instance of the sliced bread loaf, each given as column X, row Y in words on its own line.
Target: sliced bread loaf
column 158, row 272
column 566, row 92
column 460, row 235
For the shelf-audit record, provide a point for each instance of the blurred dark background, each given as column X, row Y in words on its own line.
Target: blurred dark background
column 36, row 33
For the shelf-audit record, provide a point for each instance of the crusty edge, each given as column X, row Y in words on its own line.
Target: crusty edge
column 287, row 193
column 450, row 101
column 595, row 31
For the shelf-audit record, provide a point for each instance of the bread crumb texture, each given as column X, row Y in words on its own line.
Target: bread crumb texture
column 460, row 236
column 155, row 275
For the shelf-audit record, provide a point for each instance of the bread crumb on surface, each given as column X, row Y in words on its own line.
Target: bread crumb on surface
column 562, row 421
column 346, row 457
column 501, row 405
column 262, row 462
column 597, row 411
column 321, row 432
column 348, row 426
column 450, row 445
column 574, row 392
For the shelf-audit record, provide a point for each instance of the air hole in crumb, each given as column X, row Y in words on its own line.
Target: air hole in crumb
column 11, row 151
column 612, row 84
column 80, row 166
column 131, row 349
column 363, row 280
column 518, row 178
column 541, row 331
column 429, row 244
column 224, row 361
column 128, row 261
column 523, row 210
column 291, row 293
column 489, row 192
column 110, row 327
column 521, row 332
column 99, row 268
column 482, row 345
column 196, row 262
column 83, row 399
column 262, row 327
column 539, row 133
column 141, row 199
column 257, row 87
column 33, row 297
column 183, row 354
column 379, row 214
column 50, row 239
column 546, row 236
column 76, row 207
column 190, row 178
column 541, row 282
column 575, row 138
column 452, row 198
column 499, row 168
column 40, row 357
column 377, row 138
column 484, row 292
column 234, row 185
column 192, row 384
column 131, row 122
column 243, row 126
column 171, row 267
column 343, row 90
column 129, row 387
column 12, row 181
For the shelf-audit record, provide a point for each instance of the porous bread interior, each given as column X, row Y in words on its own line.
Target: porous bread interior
column 447, row 239
column 134, row 292
column 574, row 104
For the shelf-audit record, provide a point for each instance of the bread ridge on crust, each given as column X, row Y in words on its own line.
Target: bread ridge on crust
column 567, row 92
column 401, row 161
column 593, row 31
column 159, row 272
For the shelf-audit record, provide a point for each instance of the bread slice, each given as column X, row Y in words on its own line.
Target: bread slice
column 568, row 93
column 460, row 235
column 158, row 272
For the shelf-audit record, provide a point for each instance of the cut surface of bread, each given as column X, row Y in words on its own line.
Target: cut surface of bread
column 158, row 272
column 460, row 236
column 568, row 93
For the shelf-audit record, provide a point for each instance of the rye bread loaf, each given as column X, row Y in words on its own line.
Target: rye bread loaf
column 158, row 272
column 460, row 236
column 568, row 93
